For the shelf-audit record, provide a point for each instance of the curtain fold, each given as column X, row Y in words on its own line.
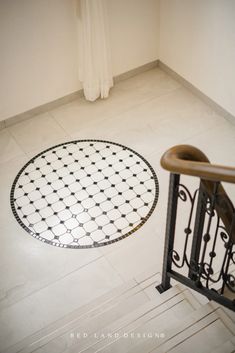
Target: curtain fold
column 95, row 70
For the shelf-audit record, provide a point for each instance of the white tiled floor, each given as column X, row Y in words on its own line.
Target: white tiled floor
column 47, row 131
column 149, row 113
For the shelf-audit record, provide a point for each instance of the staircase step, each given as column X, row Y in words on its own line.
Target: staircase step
column 163, row 327
column 118, row 313
column 202, row 299
column 227, row 312
column 203, row 329
column 64, row 324
column 66, row 341
column 93, row 323
column 204, row 336
column 111, row 339
column 92, row 312
column 226, row 347
column 121, row 320
column 147, row 274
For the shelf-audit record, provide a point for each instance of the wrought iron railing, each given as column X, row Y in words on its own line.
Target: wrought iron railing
column 205, row 257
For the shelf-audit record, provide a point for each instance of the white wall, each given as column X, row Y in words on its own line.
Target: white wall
column 134, row 29
column 197, row 40
column 38, row 43
column 38, row 53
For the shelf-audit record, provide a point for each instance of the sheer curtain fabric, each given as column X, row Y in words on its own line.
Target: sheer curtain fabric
column 95, row 70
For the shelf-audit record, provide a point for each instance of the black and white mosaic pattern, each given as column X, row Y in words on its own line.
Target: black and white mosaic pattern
column 84, row 194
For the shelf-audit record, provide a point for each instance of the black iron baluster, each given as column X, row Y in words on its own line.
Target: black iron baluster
column 184, row 195
column 206, row 236
column 170, row 231
column 229, row 251
column 197, row 233
column 212, row 254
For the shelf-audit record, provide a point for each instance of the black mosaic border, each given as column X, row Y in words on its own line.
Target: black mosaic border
column 96, row 245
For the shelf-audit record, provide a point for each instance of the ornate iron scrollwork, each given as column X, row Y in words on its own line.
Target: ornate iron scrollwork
column 212, row 270
column 184, row 195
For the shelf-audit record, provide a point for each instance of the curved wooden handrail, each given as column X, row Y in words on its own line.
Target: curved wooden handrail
column 186, row 159
column 189, row 160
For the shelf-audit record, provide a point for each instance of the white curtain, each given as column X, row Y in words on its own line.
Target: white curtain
column 95, row 71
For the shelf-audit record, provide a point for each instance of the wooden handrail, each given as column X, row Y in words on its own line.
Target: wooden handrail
column 186, row 159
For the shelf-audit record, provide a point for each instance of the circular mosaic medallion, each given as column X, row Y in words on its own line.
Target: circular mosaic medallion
column 84, row 194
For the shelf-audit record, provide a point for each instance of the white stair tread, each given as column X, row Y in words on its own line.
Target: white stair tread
column 206, row 340
column 117, row 321
column 82, row 314
column 142, row 321
column 129, row 316
column 174, row 335
column 205, row 326
column 121, row 320
column 226, row 347
column 94, row 323
column 63, row 324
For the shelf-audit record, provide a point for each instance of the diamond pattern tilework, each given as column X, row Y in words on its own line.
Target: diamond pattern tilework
column 84, row 194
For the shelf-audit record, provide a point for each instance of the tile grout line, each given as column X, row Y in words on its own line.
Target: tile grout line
column 117, row 272
column 17, row 143
column 128, row 109
column 45, row 146
column 212, row 127
column 137, row 105
column 52, row 283
column 57, row 123
column 209, row 129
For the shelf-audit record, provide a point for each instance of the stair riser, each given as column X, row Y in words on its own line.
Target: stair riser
column 158, row 314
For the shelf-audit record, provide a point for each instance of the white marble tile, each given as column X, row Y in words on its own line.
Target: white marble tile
column 40, row 148
column 38, row 132
column 155, row 125
column 80, row 114
column 9, row 149
column 206, row 340
column 8, row 172
column 218, row 143
column 51, row 303
column 138, row 252
column 149, row 84
column 23, row 270
column 179, row 120
column 123, row 129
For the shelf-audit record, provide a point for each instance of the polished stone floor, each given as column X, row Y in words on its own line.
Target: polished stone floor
column 147, row 113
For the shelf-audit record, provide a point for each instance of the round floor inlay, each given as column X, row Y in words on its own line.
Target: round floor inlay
column 84, row 194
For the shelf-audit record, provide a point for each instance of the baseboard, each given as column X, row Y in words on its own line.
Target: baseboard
column 136, row 71
column 126, row 75
column 70, row 97
column 40, row 109
column 215, row 106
